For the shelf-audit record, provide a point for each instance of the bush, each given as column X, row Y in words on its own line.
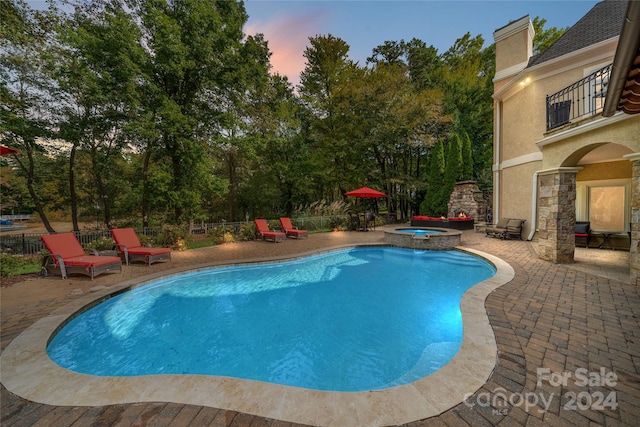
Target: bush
column 322, row 208
column 102, row 244
column 175, row 237
column 222, row 234
column 247, row 232
column 12, row 265
column 339, row 223
column 274, row 224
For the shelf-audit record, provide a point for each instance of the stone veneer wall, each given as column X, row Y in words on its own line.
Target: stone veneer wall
column 467, row 196
column 445, row 241
column 556, row 215
column 634, row 251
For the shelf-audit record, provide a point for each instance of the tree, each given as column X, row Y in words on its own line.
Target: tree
column 544, row 38
column 397, row 124
column 327, row 72
column 285, row 163
column 467, row 81
column 25, row 89
column 467, row 157
column 97, row 74
column 193, row 54
column 437, row 197
column 453, row 163
column 424, row 63
column 236, row 141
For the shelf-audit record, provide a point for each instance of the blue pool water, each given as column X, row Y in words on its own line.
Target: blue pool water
column 351, row 320
column 418, row 231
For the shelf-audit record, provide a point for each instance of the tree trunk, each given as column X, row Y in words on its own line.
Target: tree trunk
column 178, row 174
column 30, row 171
column 101, row 187
column 232, row 184
column 72, row 188
column 145, row 183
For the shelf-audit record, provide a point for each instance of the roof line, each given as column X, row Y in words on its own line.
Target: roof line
column 625, row 53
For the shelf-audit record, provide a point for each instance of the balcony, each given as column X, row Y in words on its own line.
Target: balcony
column 583, row 98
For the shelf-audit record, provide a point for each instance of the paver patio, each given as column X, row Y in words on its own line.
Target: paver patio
column 577, row 320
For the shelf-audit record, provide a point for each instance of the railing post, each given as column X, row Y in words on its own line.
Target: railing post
column 548, row 121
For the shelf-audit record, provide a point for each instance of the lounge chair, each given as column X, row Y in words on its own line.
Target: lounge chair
column 132, row 250
column 263, row 231
column 582, row 231
column 499, row 229
column 67, row 256
column 290, row 230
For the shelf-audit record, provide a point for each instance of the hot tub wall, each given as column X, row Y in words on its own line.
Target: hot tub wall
column 438, row 242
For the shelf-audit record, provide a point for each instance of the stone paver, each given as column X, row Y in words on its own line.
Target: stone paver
column 580, row 321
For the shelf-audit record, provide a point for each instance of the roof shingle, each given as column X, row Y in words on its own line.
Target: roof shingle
column 602, row 22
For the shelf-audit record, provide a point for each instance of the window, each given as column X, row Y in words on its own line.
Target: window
column 607, row 208
column 605, row 203
column 597, row 88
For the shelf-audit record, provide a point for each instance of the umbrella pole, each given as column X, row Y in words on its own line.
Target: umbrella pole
column 364, row 213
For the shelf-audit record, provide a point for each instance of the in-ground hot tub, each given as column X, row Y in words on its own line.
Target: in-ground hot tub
column 430, row 238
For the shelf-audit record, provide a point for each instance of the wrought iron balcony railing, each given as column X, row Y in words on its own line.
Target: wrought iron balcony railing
column 583, row 98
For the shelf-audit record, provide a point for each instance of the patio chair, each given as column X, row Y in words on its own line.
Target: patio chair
column 290, row 230
column 67, row 256
column 370, row 220
column 132, row 250
column 582, row 232
column 263, row 231
column 514, row 229
column 499, row 229
column 354, row 222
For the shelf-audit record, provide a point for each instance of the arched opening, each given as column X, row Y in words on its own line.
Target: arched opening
column 603, row 194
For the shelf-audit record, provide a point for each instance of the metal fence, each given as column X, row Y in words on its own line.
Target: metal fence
column 30, row 243
column 21, row 217
column 583, row 98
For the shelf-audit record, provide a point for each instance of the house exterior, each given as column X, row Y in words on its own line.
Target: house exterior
column 557, row 157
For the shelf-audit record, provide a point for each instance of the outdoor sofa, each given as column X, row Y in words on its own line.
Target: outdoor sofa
column 506, row 228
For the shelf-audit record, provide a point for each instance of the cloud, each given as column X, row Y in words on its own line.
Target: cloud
column 288, row 37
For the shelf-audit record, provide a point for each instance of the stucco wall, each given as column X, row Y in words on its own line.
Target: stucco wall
column 568, row 151
column 516, row 193
column 521, row 123
column 524, row 113
column 512, row 50
column 606, row 170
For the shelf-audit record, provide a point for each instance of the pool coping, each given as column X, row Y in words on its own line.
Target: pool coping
column 28, row 371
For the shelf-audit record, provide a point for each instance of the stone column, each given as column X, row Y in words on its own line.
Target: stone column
column 634, row 251
column 557, row 214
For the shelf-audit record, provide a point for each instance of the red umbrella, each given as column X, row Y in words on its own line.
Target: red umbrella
column 7, row 150
column 365, row 193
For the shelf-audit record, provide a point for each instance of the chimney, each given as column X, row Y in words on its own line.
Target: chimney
column 514, row 47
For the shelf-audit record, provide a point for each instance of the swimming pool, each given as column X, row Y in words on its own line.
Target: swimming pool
column 28, row 371
column 349, row 320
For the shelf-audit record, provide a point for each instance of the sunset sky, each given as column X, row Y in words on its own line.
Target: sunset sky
column 365, row 24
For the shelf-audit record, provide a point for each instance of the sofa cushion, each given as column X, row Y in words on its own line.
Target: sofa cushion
column 581, row 228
